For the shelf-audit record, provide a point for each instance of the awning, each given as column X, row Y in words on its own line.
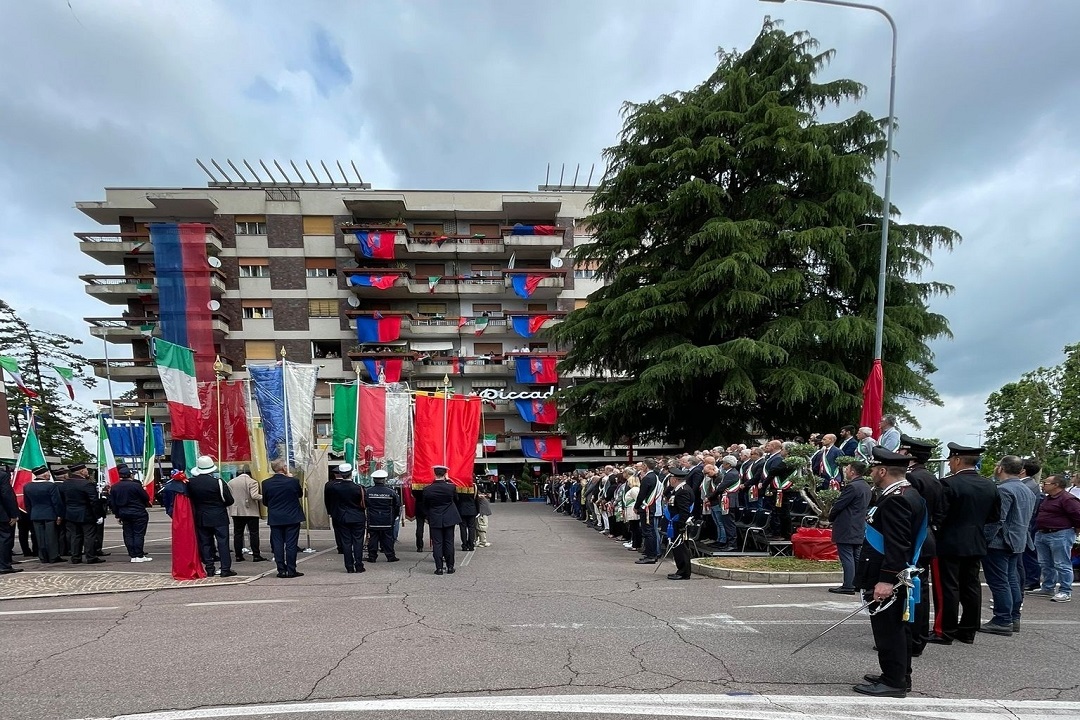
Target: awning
column 431, row 345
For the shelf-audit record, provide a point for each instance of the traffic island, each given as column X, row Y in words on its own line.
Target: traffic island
column 769, row 570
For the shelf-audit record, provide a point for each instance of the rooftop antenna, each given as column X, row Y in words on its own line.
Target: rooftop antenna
column 317, row 181
column 561, row 174
column 328, row 175
column 547, row 175
column 343, row 175
column 214, row 163
column 360, row 179
column 230, row 163
column 588, row 183
column 300, row 174
column 272, row 178
column 576, row 171
column 208, row 173
column 283, row 173
column 257, row 178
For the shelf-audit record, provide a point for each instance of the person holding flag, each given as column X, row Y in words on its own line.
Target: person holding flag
column 186, row 563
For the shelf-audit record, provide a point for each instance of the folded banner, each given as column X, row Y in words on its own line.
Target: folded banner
column 534, row 230
column 525, row 284
column 536, row 370
column 128, row 438
column 344, row 418
column 235, row 445
column 372, row 432
column 176, row 366
column 378, row 330
column 268, row 391
column 542, row 448
column 300, row 381
column 376, row 281
column 537, row 411
column 389, row 368
column 445, row 433
column 528, row 325
column 377, row 245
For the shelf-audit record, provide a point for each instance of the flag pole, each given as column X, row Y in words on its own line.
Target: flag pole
column 445, row 415
column 285, row 410
column 108, row 369
column 219, row 372
column 356, row 423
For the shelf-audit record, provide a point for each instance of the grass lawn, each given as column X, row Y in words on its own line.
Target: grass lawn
column 773, row 564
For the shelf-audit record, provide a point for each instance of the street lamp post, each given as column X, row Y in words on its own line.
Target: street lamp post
column 879, row 324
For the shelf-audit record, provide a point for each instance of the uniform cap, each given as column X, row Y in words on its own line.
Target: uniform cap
column 440, row 469
column 888, row 458
column 40, row 470
column 76, row 467
column 379, row 475
column 910, row 443
column 963, row 451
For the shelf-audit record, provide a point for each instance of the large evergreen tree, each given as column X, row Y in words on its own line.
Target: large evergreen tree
column 738, row 234
column 61, row 423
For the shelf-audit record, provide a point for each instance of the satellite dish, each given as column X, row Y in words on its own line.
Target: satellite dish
column 353, row 301
column 213, row 262
column 556, row 262
column 214, row 305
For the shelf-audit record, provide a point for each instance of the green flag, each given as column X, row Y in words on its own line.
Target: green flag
column 67, row 376
column 344, row 419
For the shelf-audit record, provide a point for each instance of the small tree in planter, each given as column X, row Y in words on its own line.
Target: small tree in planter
column 819, row 501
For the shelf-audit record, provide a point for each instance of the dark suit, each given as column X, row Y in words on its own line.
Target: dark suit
column 646, row 515
column 9, row 510
column 44, row 506
column 777, row 469
column 442, row 516
column 931, row 490
column 129, row 500
column 694, row 479
column 972, row 501
column 282, row 496
column 383, row 508
column 210, row 499
column 848, row 518
column 420, row 517
column 80, row 497
column 468, row 510
column 680, row 510
column 345, row 504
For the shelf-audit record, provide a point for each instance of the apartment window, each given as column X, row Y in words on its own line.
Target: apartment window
column 582, row 274
column 324, row 428
column 322, row 308
column 260, row 350
column 538, row 347
column 425, row 270
column 494, row 426
column 487, row 348
column 492, row 270
column 318, row 225
column 257, row 309
column 488, row 308
column 325, row 349
column 254, row 267
column 428, row 230
column 536, row 307
column 431, row 308
column 321, row 267
column 250, row 227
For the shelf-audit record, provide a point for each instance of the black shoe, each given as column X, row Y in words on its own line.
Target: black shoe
column 876, row 680
column 283, row 575
column 449, row 571
column 967, row 640
column 9, row 571
column 420, row 548
column 228, row 573
column 646, row 561
column 239, row 558
column 76, row 561
column 393, row 559
column 361, row 568
column 371, row 559
column 939, row 640
column 677, row 576
column 995, row 629
column 438, row 571
column 103, row 554
column 880, row 690
column 1016, row 626
column 350, row 570
column 843, row 590
column 94, row 561
column 259, row 558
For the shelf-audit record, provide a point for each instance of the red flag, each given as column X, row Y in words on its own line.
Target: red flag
column 457, row 421
column 873, row 397
column 372, row 415
column 536, row 322
column 235, row 443
column 462, row 321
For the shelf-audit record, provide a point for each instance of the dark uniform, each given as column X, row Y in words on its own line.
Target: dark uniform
column 420, row 516
column 210, row 499
column 971, row 502
column 680, row 509
column 442, row 516
column 468, row 508
column 345, row 504
column 80, row 501
column 929, row 487
column 129, row 500
column 894, row 521
column 383, row 506
column 60, row 474
column 41, row 497
column 9, row 517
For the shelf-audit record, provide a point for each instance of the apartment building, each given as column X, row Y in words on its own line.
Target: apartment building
column 460, row 277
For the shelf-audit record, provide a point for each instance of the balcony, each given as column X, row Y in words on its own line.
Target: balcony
column 133, row 409
column 123, row 330
column 118, row 289
column 532, row 240
column 459, row 285
column 550, row 285
column 468, row 366
column 125, row 369
column 408, row 365
column 112, row 248
column 408, row 246
column 398, row 289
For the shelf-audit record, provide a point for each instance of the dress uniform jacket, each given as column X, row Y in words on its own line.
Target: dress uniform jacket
column 439, row 504
column 210, row 497
column 897, row 513
column 972, row 502
column 347, row 501
column 129, row 500
column 282, row 496
column 80, row 496
column 42, row 501
column 933, row 493
column 383, row 506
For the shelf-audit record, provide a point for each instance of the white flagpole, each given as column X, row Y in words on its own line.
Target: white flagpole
column 285, row 409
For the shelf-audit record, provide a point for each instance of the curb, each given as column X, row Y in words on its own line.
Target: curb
column 764, row 577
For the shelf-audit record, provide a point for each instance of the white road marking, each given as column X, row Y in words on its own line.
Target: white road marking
column 829, row 605
column 376, row 597
column 770, row 707
column 58, row 610
column 778, row 586
column 719, row 621
column 468, row 559
column 241, row 602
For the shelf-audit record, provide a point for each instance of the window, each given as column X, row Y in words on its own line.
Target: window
column 493, row 270
column 318, row 225
column 584, row 274
column 431, row 308
column 251, row 226
column 487, row 348
column 323, row 389
column 494, row 426
column 536, row 307
column 489, row 308
column 324, row 428
column 488, row 231
column 321, row 267
column 425, row 270
column 260, row 350
column 322, row 308
column 538, row 347
column 428, row 230
column 257, row 309
column 325, row 349
column 254, row 267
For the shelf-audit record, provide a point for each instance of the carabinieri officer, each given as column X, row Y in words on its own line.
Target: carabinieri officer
column 896, row 526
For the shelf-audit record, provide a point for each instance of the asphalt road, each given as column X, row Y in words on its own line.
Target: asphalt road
column 553, row 620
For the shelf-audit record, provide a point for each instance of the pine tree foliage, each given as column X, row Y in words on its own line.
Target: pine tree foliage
column 61, row 423
column 738, row 235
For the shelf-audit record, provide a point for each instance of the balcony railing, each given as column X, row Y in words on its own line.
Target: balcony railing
column 124, row 369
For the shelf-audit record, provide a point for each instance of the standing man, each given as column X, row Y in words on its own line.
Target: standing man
column 695, row 477
column 1056, row 526
column 443, row 518
column 865, row 449
column 80, row 495
column 825, row 464
column 383, row 507
column 59, row 475
column 345, row 503
column 645, row 506
column 468, row 508
column 1006, row 540
column 1029, row 561
column 210, row 498
column 680, row 509
column 9, row 519
column 282, row 496
column 245, row 514
column 972, row 501
column 896, row 525
column 848, row 518
column 128, row 500
column 933, row 494
column 420, row 518
column 848, row 442
column 889, row 437
column 41, row 497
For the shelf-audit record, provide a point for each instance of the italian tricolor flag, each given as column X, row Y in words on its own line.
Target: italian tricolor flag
column 30, row 457
column 176, row 365
column 10, row 366
column 106, row 461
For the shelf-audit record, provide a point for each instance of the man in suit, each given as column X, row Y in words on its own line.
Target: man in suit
column 210, row 498
column 645, row 506
column 680, row 508
column 468, row 509
column 9, row 519
column 1006, row 541
column 824, row 463
column 419, row 518
column 129, row 500
column 889, row 436
column 383, row 507
column 345, row 505
column 443, row 518
column 933, row 494
column 59, row 475
column 694, row 479
column 282, row 496
column 848, row 519
column 894, row 523
column 779, row 491
column 972, row 501
column 848, row 442
column 41, row 498
column 245, row 514
column 80, row 497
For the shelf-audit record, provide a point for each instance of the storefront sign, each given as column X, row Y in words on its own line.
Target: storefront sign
column 493, row 395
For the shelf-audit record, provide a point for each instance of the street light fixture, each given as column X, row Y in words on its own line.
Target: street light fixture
column 879, row 324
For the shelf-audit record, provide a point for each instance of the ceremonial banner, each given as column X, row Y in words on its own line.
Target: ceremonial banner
column 235, row 445
column 525, row 283
column 300, row 383
column 389, row 368
column 381, row 282
column 542, row 448
column 873, row 397
column 536, row 370
column 30, row 457
column 149, row 457
column 398, row 417
column 344, row 419
column 445, row 433
column 372, row 432
column 378, row 330
column 108, row 472
column 535, row 230
column 128, row 438
column 528, row 325
column 376, row 245
column 176, row 366
column 268, row 392
column 537, row 411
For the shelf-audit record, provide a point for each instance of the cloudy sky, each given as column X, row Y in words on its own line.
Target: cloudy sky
column 485, row 93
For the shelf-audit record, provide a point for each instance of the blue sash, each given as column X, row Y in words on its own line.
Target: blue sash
column 672, row 519
column 877, row 541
